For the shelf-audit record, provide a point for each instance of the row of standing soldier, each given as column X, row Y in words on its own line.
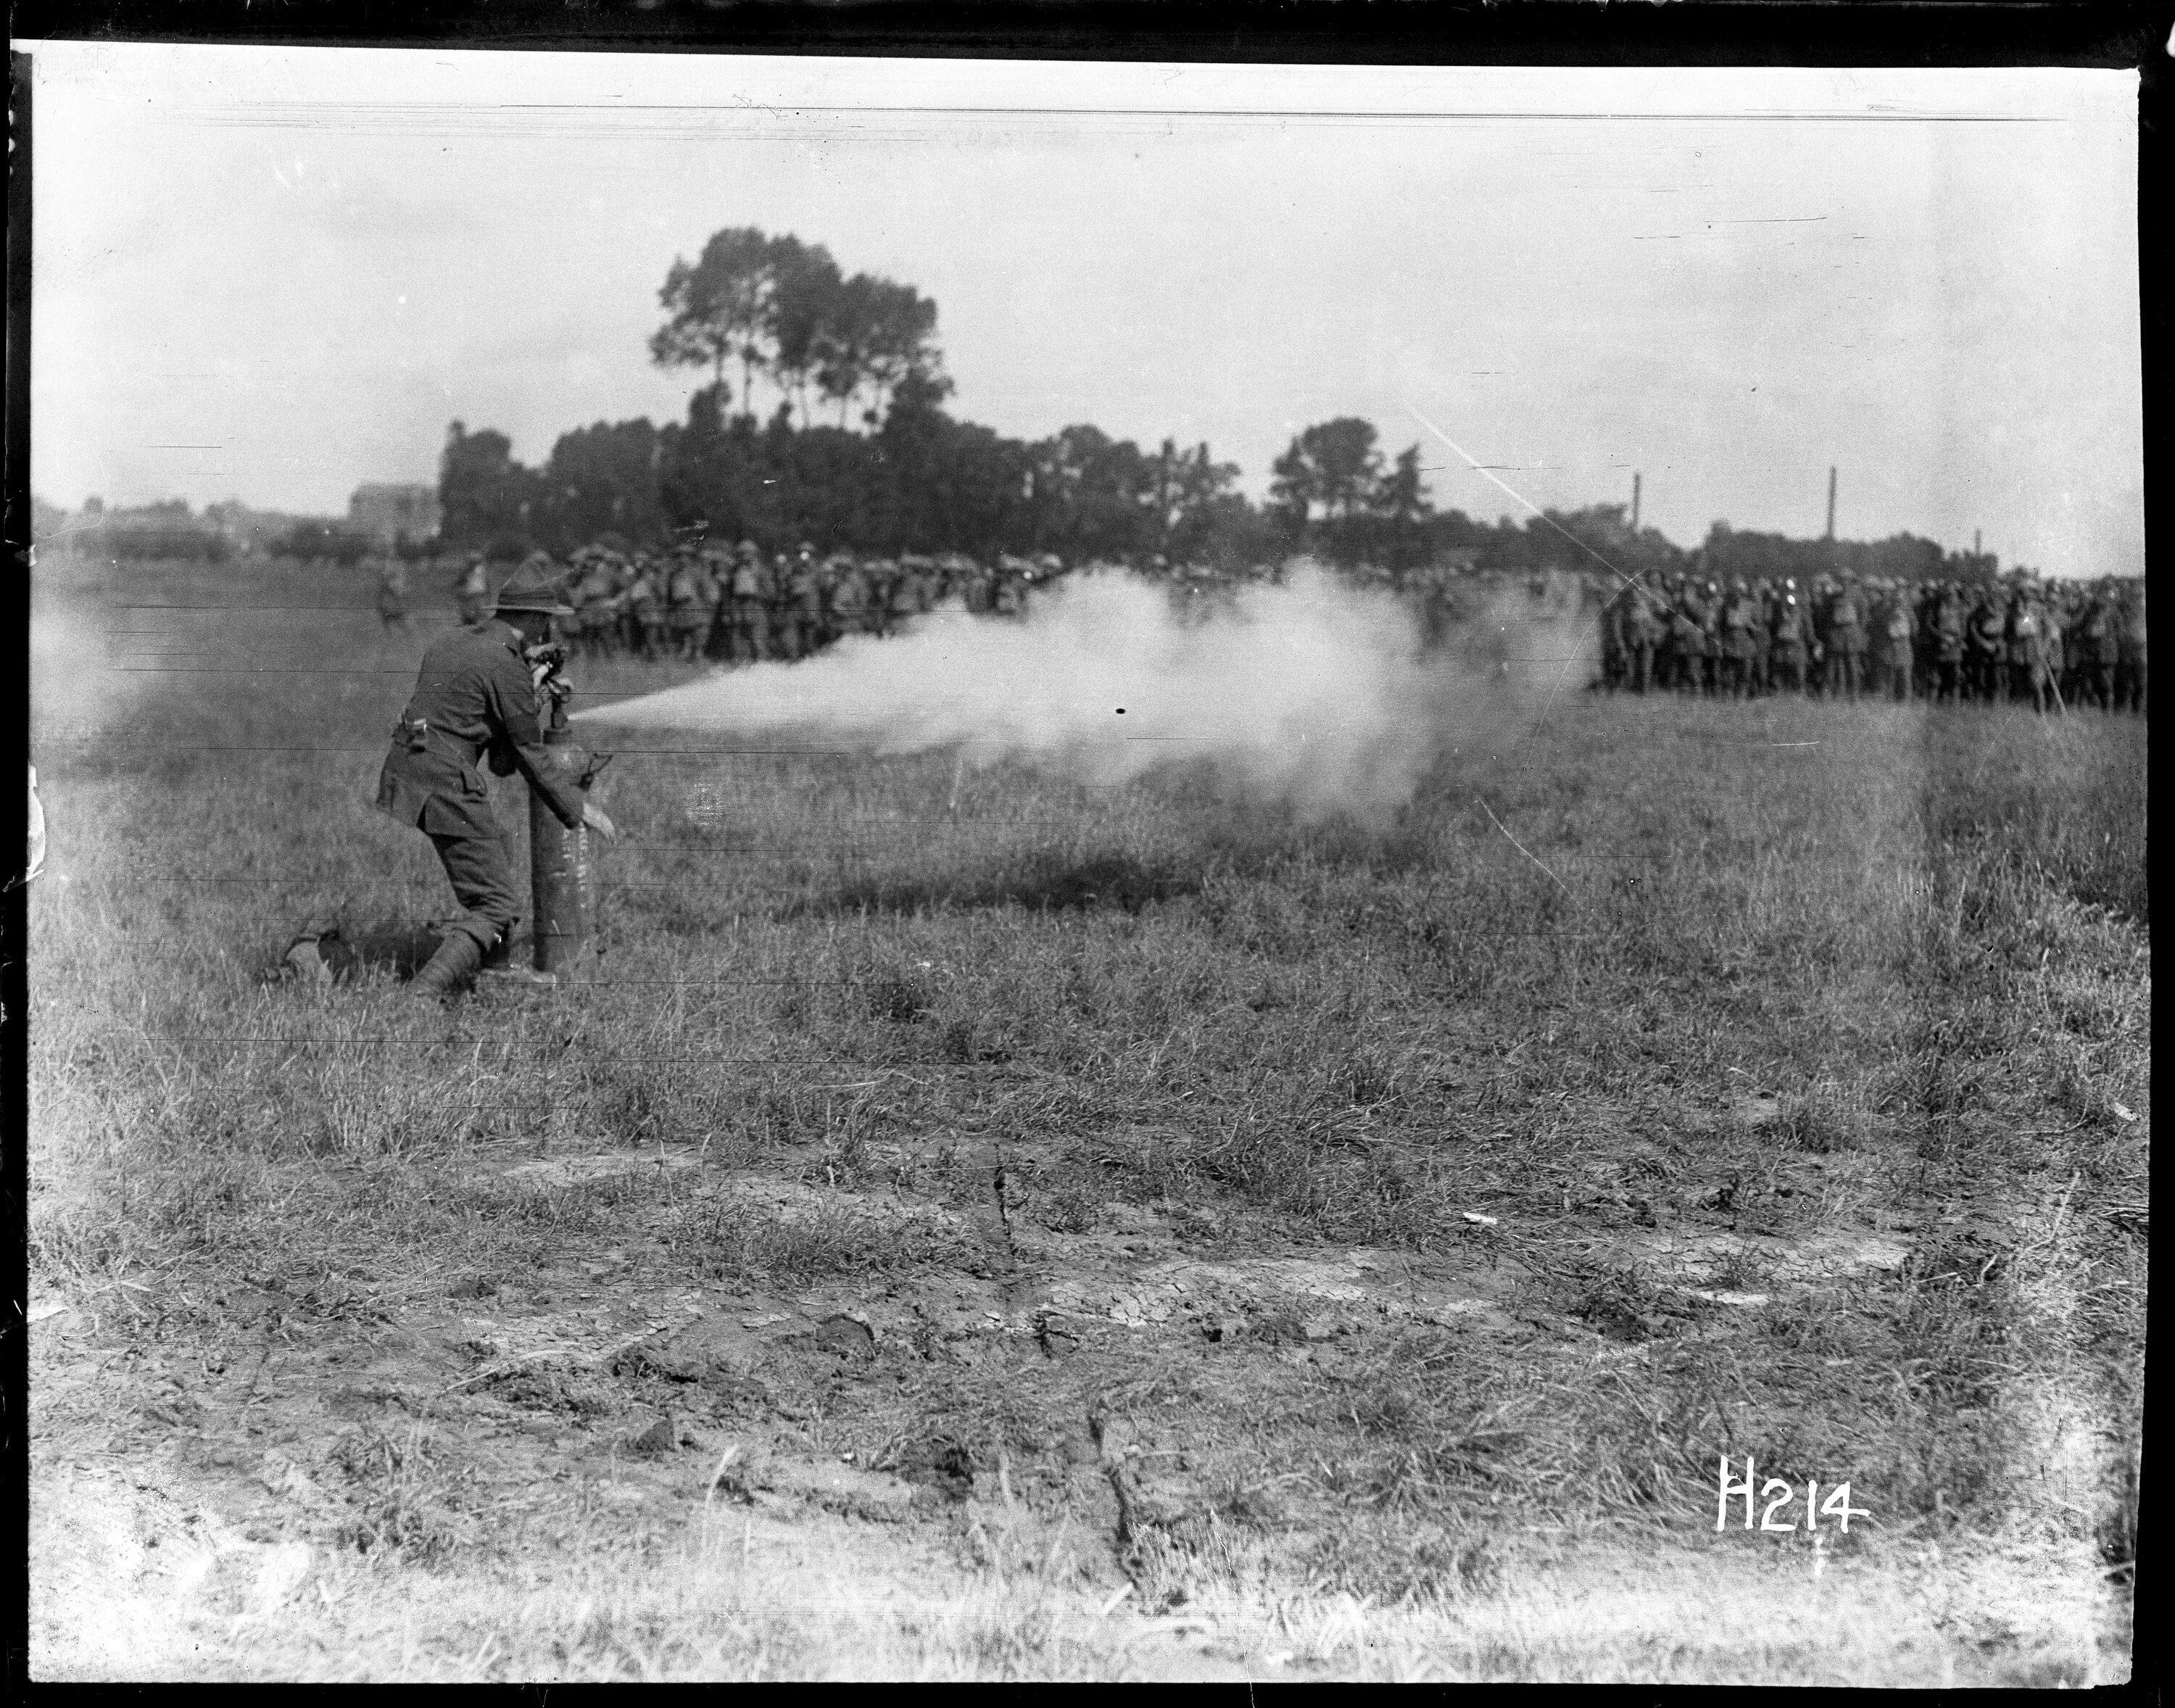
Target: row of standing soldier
column 735, row 606
column 2054, row 645
column 2019, row 640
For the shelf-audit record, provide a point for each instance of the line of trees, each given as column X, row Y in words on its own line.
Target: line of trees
column 782, row 309
column 859, row 452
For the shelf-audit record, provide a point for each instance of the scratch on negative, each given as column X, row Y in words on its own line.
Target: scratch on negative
column 1520, row 846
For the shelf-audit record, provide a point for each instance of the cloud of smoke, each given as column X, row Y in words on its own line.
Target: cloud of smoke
column 1309, row 692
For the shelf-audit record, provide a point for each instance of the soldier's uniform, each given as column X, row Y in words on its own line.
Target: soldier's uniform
column 1638, row 631
column 2055, row 641
column 1845, row 640
column 907, row 593
column 596, row 608
column 2096, row 650
column 2026, row 639
column 687, row 605
column 2129, row 677
column 476, row 702
column 1740, row 640
column 1787, row 641
column 646, row 610
column 849, row 601
column 750, row 604
column 1984, row 648
column 1609, row 623
column 1897, row 641
column 799, row 609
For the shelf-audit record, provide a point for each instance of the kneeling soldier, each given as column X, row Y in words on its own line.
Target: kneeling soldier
column 475, row 699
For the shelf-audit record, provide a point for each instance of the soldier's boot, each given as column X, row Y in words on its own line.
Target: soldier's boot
column 459, row 956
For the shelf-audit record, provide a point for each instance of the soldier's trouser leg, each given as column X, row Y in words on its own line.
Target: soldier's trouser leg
column 482, row 877
column 759, row 634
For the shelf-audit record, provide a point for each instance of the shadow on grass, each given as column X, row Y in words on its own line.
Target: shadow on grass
column 348, row 952
column 1108, row 881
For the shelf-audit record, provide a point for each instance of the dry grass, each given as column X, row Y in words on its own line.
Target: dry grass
column 1893, row 982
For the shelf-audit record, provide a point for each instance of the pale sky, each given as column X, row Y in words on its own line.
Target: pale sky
column 275, row 273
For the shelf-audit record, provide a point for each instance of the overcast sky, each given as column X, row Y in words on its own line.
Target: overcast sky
column 275, row 274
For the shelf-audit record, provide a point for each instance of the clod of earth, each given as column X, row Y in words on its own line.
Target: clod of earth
column 659, row 1438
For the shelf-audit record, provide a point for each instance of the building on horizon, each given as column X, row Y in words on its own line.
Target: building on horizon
column 395, row 513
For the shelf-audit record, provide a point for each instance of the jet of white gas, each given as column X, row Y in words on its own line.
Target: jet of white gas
column 1307, row 692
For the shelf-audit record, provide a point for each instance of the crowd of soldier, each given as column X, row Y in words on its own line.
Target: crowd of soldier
column 2053, row 645
column 736, row 606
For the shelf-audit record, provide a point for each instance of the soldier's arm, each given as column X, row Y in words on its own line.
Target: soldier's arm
column 517, row 732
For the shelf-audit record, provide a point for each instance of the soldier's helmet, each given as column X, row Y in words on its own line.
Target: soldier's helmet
column 747, row 548
column 531, row 588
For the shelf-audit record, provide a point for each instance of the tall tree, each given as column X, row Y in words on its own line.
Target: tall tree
column 805, row 290
column 1332, row 465
column 720, row 309
column 902, row 343
column 1183, row 489
column 845, row 340
column 483, row 494
column 602, row 480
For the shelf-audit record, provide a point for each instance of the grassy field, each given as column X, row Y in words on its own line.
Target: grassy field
column 980, row 1226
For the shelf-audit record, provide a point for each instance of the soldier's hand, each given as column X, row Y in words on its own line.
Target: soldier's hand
column 593, row 817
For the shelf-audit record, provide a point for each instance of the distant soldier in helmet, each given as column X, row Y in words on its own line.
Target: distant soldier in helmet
column 596, row 606
column 801, row 607
column 907, row 592
column 1741, row 639
column 647, row 621
column 1846, row 639
column 750, row 604
column 2129, row 673
column 476, row 702
column 849, row 599
column 2026, row 639
column 687, row 603
column 1897, row 630
column 2097, row 647
column 1789, row 640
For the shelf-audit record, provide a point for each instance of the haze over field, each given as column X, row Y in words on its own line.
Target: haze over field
column 272, row 275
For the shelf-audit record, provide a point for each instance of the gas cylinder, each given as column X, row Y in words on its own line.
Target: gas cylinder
column 562, row 864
